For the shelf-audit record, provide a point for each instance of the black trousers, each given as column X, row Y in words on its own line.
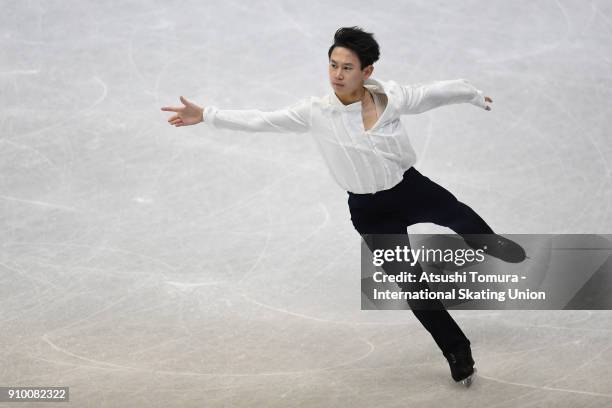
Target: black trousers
column 414, row 200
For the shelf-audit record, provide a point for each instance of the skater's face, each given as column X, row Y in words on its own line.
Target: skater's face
column 345, row 73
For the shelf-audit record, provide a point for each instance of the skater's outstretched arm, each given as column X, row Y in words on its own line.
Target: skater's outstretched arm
column 295, row 118
column 419, row 98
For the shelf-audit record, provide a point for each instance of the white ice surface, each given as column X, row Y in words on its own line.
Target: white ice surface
column 150, row 266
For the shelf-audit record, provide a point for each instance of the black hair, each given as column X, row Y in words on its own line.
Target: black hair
column 359, row 41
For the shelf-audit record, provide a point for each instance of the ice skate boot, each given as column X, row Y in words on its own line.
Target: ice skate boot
column 461, row 366
column 498, row 247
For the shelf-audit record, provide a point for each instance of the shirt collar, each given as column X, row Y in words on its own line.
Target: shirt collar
column 370, row 83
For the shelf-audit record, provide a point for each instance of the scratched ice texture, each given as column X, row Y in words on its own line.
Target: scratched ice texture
column 144, row 265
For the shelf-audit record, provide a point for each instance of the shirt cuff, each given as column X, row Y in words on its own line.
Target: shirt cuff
column 210, row 112
column 479, row 100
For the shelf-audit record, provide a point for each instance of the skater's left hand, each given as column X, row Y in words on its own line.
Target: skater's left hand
column 487, row 99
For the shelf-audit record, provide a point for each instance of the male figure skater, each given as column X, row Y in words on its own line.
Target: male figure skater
column 358, row 131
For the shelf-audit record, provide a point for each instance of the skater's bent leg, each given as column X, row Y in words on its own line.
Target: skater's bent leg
column 462, row 219
column 438, row 205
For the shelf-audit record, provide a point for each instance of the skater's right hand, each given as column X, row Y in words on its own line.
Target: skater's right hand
column 190, row 114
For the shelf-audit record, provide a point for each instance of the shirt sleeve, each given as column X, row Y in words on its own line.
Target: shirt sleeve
column 295, row 118
column 419, row 98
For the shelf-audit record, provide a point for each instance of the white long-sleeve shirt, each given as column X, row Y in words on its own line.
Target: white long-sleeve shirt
column 360, row 161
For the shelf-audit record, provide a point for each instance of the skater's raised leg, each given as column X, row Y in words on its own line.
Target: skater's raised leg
column 444, row 209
